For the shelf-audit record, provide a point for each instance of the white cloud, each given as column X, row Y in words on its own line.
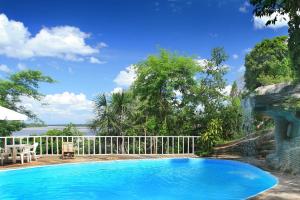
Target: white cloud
column 117, row 90
column 102, row 45
column 21, row 66
column 66, row 42
column 242, row 69
column 248, row 50
column 94, row 60
column 61, row 108
column 235, row 56
column 260, row 22
column 126, row 77
column 4, row 68
column 226, row 91
column 202, row 62
column 244, row 8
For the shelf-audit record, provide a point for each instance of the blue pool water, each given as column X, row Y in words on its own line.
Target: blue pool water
column 165, row 179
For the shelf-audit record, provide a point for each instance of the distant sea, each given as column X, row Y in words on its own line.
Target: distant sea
column 41, row 130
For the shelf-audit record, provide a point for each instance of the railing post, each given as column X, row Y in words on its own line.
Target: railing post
column 82, row 145
column 51, row 145
column 162, row 144
column 89, row 145
column 94, row 140
column 128, row 145
column 193, row 144
column 105, row 145
column 62, row 141
column 188, row 145
column 145, row 144
column 173, row 145
column 139, row 144
column 47, row 145
column 123, row 144
column 77, row 140
column 156, row 139
column 133, row 144
column 168, row 145
column 41, row 144
column 111, row 145
column 117, row 144
column 100, row 148
column 182, row 144
column 178, row 144
column 151, row 145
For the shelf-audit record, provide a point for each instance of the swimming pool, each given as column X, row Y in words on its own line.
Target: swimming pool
column 163, row 179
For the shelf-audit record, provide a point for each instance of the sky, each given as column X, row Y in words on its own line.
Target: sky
column 89, row 46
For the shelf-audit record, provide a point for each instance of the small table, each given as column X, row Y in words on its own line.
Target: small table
column 14, row 149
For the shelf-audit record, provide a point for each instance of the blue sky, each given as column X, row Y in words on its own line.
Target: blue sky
column 87, row 44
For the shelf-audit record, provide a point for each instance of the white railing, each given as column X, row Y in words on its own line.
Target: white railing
column 106, row 145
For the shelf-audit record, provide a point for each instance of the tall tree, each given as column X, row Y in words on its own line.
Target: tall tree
column 274, row 8
column 165, row 84
column 268, row 63
column 23, row 83
column 234, row 92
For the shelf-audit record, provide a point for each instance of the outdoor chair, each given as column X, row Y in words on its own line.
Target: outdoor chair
column 4, row 154
column 33, row 150
column 67, row 150
column 24, row 152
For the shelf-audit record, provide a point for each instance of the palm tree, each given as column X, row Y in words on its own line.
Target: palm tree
column 102, row 123
column 112, row 113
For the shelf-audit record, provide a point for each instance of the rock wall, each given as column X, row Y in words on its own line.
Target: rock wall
column 254, row 145
column 288, row 159
column 281, row 102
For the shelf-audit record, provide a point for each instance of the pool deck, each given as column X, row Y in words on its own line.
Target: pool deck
column 287, row 189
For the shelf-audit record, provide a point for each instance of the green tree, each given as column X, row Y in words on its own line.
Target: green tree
column 275, row 8
column 268, row 63
column 23, row 83
column 234, row 92
column 173, row 95
column 232, row 114
column 211, row 136
column 69, row 130
column 166, row 87
column 112, row 114
column 211, row 96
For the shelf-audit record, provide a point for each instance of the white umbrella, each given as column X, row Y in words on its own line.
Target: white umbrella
column 7, row 114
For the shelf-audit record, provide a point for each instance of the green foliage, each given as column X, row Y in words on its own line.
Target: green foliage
column 112, row 113
column 6, row 127
column 212, row 135
column 23, row 83
column 173, row 95
column 268, row 63
column 69, row 130
column 166, row 87
column 281, row 7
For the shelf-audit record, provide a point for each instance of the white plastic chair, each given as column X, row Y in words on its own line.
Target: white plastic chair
column 4, row 154
column 25, row 151
column 33, row 150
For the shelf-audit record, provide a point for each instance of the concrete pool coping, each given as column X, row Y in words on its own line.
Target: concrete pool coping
column 287, row 188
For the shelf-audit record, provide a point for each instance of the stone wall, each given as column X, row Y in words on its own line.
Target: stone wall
column 281, row 102
column 288, row 159
column 253, row 145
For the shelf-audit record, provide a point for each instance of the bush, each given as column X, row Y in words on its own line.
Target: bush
column 211, row 136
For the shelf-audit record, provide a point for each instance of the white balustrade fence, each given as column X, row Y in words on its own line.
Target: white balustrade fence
column 105, row 145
